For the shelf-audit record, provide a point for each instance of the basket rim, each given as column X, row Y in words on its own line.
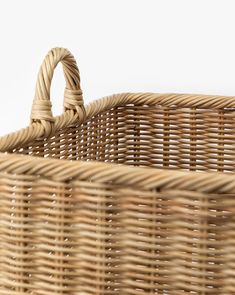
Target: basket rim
column 70, row 117
column 121, row 175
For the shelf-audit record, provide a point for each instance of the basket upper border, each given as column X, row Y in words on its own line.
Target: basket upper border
column 123, row 176
column 36, row 130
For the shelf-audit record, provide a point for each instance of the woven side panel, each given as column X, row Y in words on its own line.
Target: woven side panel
column 153, row 136
column 100, row 230
column 58, row 238
column 147, row 243
column 16, row 247
column 200, row 239
column 80, row 237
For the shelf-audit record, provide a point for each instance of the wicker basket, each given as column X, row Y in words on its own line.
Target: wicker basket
column 158, row 219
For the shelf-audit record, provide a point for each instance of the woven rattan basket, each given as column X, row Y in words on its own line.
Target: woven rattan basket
column 133, row 194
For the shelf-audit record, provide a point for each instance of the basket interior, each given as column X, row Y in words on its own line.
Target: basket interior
column 149, row 136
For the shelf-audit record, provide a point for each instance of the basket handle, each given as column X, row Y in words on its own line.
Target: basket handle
column 73, row 100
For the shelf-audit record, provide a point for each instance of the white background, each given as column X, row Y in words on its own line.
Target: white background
column 120, row 45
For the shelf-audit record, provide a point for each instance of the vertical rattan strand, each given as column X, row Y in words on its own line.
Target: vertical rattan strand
column 193, row 140
column 78, row 142
column 221, row 141
column 101, row 245
column 229, row 255
column 67, row 150
column 136, row 134
column 61, row 145
column 100, row 133
column 110, row 137
column 180, row 118
column 60, row 237
column 153, row 230
column 96, row 138
column 124, row 242
column 166, row 138
column 21, row 205
column 81, row 138
column 204, row 239
column 86, row 140
column 126, row 148
column 73, row 144
column 115, row 136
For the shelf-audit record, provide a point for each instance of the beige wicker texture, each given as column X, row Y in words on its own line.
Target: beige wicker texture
column 162, row 223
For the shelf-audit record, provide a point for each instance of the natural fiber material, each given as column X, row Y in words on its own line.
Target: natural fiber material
column 162, row 223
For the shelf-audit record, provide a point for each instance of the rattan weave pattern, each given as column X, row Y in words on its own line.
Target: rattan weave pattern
column 131, row 194
column 154, row 136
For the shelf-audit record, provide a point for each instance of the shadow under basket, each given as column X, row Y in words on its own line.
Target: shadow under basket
column 133, row 194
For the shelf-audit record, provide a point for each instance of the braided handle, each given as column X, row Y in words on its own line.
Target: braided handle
column 41, row 108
